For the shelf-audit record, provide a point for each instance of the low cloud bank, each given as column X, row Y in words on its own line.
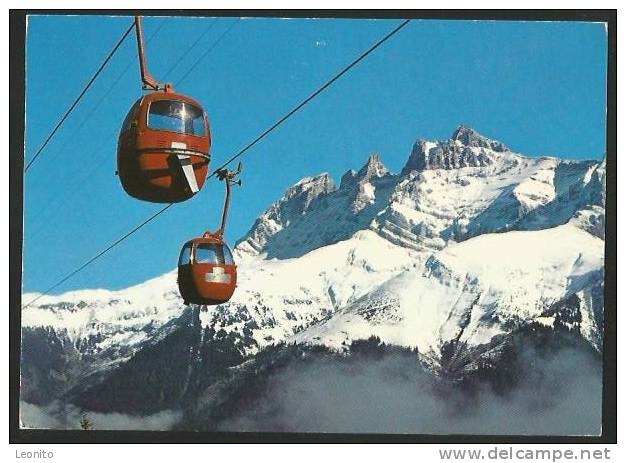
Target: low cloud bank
column 559, row 395
column 58, row 416
column 546, row 394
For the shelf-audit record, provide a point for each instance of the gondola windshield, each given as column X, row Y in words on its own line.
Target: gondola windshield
column 176, row 116
column 209, row 253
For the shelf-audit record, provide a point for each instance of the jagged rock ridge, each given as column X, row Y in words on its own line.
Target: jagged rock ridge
column 448, row 191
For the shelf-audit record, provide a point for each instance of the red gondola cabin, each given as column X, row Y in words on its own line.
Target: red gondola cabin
column 207, row 273
column 163, row 150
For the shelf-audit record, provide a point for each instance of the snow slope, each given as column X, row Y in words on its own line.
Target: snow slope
column 278, row 297
column 475, row 290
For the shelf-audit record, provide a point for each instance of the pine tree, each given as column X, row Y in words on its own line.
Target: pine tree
column 85, row 423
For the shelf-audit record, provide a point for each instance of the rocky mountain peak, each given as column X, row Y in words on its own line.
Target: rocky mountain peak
column 466, row 148
column 470, row 137
column 373, row 168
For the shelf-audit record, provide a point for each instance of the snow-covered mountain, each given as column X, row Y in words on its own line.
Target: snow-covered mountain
column 468, row 244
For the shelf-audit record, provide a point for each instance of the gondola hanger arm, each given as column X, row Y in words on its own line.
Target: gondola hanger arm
column 229, row 178
column 149, row 82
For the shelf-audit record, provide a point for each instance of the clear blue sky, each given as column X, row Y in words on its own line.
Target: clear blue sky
column 538, row 87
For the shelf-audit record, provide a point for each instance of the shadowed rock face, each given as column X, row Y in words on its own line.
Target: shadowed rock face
column 294, row 203
column 314, row 213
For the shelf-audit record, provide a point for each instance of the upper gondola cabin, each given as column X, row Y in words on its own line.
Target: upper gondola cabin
column 163, row 150
column 164, row 145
